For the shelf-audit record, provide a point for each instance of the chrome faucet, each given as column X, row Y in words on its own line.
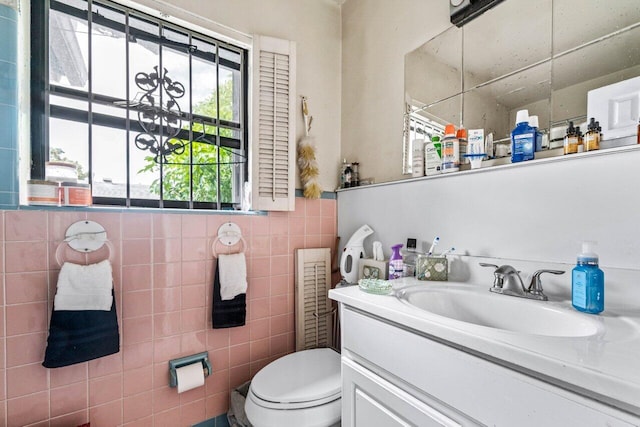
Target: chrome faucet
column 507, row 281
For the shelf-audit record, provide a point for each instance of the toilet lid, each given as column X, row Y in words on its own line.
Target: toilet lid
column 303, row 376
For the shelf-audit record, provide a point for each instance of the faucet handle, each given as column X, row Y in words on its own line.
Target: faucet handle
column 484, row 264
column 498, row 279
column 535, row 287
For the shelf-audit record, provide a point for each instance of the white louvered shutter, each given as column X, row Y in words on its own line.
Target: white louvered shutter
column 314, row 314
column 273, row 131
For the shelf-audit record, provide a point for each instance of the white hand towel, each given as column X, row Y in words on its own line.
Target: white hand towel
column 233, row 275
column 84, row 287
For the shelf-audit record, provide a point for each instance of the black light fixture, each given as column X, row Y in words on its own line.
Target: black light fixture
column 463, row 11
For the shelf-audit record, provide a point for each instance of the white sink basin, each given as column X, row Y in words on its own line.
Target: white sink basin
column 508, row 313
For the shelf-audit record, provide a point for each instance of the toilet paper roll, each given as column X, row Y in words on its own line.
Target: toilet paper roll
column 190, row 376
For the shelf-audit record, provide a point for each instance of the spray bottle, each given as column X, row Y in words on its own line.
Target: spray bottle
column 395, row 262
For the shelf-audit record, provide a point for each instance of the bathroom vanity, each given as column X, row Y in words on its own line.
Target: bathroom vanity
column 416, row 357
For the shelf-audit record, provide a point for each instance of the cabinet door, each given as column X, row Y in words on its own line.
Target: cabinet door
column 370, row 401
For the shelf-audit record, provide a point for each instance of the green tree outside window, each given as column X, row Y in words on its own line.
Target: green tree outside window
column 177, row 174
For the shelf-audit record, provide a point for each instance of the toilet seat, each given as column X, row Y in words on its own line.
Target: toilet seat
column 298, row 380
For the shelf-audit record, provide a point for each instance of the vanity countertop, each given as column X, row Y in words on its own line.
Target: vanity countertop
column 604, row 366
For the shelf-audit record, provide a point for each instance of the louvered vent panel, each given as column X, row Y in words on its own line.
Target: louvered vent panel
column 274, row 155
column 314, row 315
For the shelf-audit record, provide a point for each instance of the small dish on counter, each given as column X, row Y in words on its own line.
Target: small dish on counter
column 375, row 286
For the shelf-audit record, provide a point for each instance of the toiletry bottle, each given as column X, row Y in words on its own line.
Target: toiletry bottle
column 488, row 146
column 355, row 174
column 450, row 150
column 570, row 140
column 461, row 134
column 432, row 159
column 417, row 157
column 592, row 137
column 343, row 168
column 580, row 139
column 395, row 262
column 438, row 144
column 600, row 132
column 522, row 138
column 409, row 258
column 475, row 148
column 533, row 122
column 347, row 175
column 587, row 282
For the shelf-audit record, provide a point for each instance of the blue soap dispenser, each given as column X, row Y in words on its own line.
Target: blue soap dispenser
column 587, row 282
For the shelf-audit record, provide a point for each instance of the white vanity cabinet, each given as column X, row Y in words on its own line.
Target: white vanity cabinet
column 396, row 376
column 371, row 401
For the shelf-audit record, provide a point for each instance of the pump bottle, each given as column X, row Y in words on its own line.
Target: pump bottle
column 592, row 137
column 580, row 140
column 587, row 282
column 571, row 140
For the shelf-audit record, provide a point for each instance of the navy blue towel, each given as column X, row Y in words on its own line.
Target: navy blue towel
column 228, row 313
column 79, row 336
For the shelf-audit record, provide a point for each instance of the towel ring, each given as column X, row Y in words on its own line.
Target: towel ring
column 218, row 239
column 229, row 234
column 85, row 236
column 62, row 244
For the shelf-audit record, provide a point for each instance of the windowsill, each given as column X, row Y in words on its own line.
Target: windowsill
column 118, row 209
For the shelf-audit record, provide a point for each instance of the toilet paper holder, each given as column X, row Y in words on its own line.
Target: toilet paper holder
column 174, row 364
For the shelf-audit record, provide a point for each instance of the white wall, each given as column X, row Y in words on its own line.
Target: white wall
column 316, row 28
column 539, row 211
column 376, row 35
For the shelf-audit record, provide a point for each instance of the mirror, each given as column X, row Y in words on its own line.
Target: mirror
column 607, row 61
column 434, row 70
column 493, row 106
column 543, row 55
column 506, row 39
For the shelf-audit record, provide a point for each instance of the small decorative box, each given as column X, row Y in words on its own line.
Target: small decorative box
column 371, row 269
column 432, row 268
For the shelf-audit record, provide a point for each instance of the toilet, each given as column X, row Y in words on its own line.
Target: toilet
column 300, row 389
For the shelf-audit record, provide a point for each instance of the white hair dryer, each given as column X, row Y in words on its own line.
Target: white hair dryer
column 353, row 251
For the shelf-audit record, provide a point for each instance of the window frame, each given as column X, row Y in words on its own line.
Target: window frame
column 42, row 111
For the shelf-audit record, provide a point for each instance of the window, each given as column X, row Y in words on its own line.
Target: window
column 152, row 114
